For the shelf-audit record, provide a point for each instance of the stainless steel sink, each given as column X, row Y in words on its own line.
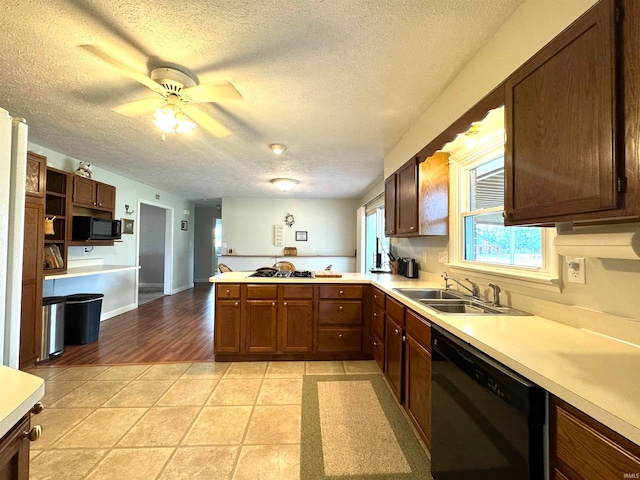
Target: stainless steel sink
column 427, row 293
column 467, row 307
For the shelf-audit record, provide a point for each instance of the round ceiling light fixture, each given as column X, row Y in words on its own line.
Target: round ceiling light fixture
column 284, row 184
column 277, row 148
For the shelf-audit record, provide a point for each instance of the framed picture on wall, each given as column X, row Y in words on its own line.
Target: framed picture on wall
column 127, row 226
column 184, row 225
column 301, row 236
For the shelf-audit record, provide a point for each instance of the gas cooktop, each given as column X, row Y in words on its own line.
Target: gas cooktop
column 283, row 274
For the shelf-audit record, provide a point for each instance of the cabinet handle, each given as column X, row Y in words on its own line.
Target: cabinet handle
column 34, row 434
column 228, row 292
column 412, row 228
column 375, row 296
column 339, row 335
column 375, row 344
column 100, row 204
column 404, row 338
column 375, row 314
column 396, row 331
column 273, row 304
column 37, row 408
column 341, row 292
column 286, row 303
column 236, row 304
column 340, row 308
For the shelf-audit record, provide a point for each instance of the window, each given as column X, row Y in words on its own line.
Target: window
column 479, row 240
column 374, row 232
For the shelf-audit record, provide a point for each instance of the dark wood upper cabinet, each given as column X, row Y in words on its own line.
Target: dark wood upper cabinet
column 563, row 151
column 390, row 205
column 92, row 194
column 407, row 198
column 35, row 175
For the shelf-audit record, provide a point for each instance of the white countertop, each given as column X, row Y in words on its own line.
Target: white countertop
column 20, row 392
column 91, row 270
column 596, row 374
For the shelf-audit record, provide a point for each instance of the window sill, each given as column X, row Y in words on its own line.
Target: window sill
column 539, row 280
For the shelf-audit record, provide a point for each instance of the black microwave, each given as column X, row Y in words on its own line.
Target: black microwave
column 95, row 228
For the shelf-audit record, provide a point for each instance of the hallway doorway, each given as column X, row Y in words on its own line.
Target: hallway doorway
column 154, row 251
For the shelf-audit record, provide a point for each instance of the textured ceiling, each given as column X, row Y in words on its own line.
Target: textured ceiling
column 337, row 81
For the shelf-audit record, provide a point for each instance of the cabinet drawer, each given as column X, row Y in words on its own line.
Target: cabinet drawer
column 339, row 340
column 589, row 448
column 378, row 297
column 377, row 350
column 256, row 292
column 419, row 329
column 228, row 291
column 395, row 310
column 341, row 291
column 337, row 312
column 298, row 291
column 377, row 321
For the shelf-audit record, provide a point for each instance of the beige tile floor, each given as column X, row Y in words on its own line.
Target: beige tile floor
column 211, row 421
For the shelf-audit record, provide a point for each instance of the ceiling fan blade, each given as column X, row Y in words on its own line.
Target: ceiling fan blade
column 137, row 76
column 212, row 126
column 139, row 107
column 210, row 93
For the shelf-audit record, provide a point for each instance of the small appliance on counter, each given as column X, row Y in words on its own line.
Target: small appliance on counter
column 408, row 267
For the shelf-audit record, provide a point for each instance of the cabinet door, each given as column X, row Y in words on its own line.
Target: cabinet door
column 35, row 175
column 377, row 350
column 407, row 198
column 260, row 331
column 297, row 326
column 14, row 453
column 434, row 195
column 32, row 265
column 561, row 108
column 84, row 191
column 418, row 387
column 106, row 196
column 227, row 325
column 393, row 356
column 390, row 205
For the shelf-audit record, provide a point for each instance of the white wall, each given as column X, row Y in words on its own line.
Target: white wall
column 205, row 222
column 129, row 192
column 151, row 256
column 247, row 228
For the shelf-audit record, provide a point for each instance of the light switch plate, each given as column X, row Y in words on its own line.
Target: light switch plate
column 424, row 257
column 443, row 257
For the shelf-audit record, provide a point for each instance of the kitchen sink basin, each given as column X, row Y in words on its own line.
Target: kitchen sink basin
column 427, row 293
column 468, row 307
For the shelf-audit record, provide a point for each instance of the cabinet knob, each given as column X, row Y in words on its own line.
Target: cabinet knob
column 375, row 314
column 341, row 292
column 506, row 214
column 34, row 434
column 94, row 203
column 228, row 292
column 273, row 304
column 375, row 296
column 404, row 338
column 236, row 304
column 412, row 228
column 375, row 344
column 396, row 331
column 339, row 335
column 37, row 408
column 100, row 204
column 286, row 303
column 340, row 308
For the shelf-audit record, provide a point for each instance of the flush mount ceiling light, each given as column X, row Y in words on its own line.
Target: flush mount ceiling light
column 284, row 184
column 171, row 119
column 277, row 148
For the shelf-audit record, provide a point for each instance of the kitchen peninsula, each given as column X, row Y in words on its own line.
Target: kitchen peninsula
column 593, row 373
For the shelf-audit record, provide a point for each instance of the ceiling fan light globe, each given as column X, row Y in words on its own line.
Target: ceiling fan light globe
column 165, row 119
column 284, row 184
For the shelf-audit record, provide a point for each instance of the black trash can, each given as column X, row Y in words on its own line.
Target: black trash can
column 82, row 318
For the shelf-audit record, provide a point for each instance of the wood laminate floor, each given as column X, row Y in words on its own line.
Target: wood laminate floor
column 173, row 328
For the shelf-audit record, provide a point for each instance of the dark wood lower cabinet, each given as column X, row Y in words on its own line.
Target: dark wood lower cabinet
column 418, row 387
column 227, row 326
column 297, row 326
column 261, row 326
column 394, row 356
column 14, row 452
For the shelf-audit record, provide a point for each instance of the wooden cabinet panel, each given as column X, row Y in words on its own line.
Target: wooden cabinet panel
column 297, row 326
column 390, row 205
column 561, row 120
column 418, row 328
column 418, row 386
column 105, row 196
column 377, row 321
column 394, row 356
column 340, row 312
column 35, row 175
column 84, row 191
column 32, row 277
column 378, row 297
column 433, row 204
column 377, row 350
column 339, row 340
column 258, row 292
column 261, row 326
column 395, row 309
column 407, row 198
column 583, row 449
column 228, row 291
column 297, row 291
column 14, row 452
column 227, row 325
column 341, row 291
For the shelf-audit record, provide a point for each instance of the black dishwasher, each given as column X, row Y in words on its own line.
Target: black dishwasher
column 488, row 422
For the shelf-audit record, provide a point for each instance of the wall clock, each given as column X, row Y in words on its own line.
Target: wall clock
column 288, row 219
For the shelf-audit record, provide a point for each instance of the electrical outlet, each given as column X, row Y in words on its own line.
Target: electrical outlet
column 443, row 257
column 424, row 257
column 576, row 271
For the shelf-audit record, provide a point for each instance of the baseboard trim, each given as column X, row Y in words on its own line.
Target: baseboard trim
column 118, row 311
column 150, row 285
column 181, row 289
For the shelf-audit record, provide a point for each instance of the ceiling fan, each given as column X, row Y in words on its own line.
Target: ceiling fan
column 177, row 91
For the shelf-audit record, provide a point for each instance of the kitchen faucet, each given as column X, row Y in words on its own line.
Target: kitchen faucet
column 474, row 290
column 496, row 294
